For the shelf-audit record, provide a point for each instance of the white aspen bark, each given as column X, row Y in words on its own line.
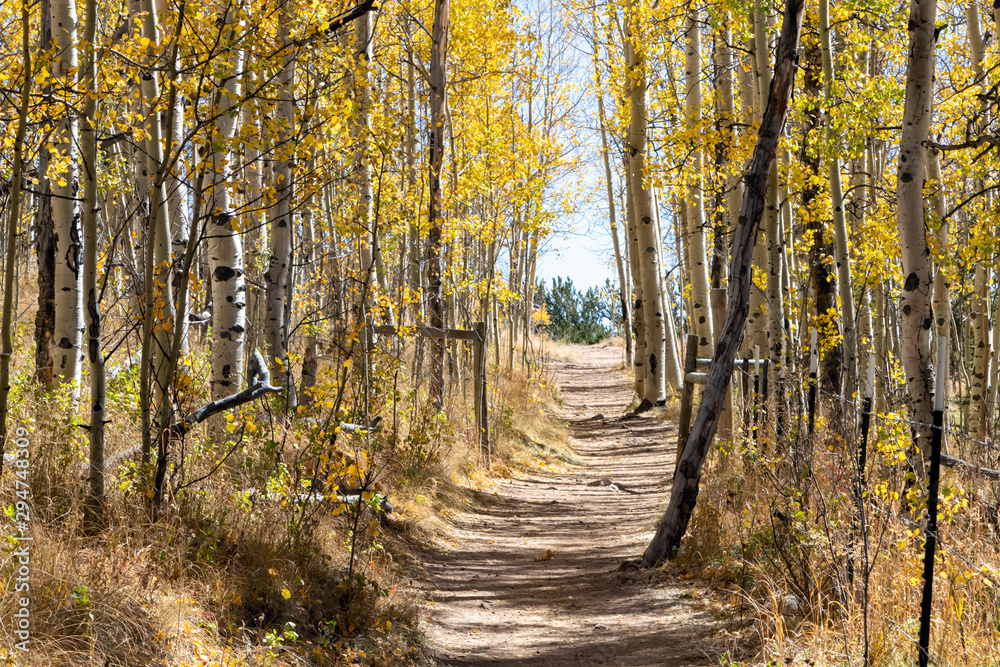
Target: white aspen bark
column 775, row 293
column 280, row 213
column 915, row 306
column 225, row 245
column 841, row 250
column 312, row 281
column 941, row 292
column 413, row 269
column 701, row 304
column 435, row 287
column 727, row 111
column 530, row 289
column 673, row 372
column 158, row 279
column 68, row 329
column 638, row 320
column 177, row 191
column 980, row 310
column 758, row 317
column 91, row 241
column 654, row 382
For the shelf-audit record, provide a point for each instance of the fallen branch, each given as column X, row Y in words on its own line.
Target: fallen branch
column 260, row 385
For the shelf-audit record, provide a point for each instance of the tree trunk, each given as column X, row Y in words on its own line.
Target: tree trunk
column 68, row 331
column 638, row 321
column 842, row 254
column 915, row 306
column 225, row 245
column 280, row 214
column 686, row 482
column 45, row 247
column 701, row 304
column 980, row 309
column 91, row 240
column 821, row 249
column 312, row 281
column 653, row 388
column 13, row 222
column 435, row 290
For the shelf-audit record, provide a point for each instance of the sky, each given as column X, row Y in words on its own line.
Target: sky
column 584, row 254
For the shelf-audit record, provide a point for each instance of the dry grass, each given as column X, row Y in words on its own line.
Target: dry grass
column 779, row 545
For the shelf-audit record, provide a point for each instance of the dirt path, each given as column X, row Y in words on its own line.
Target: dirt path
column 489, row 602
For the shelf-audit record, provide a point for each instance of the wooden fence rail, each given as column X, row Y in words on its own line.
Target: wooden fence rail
column 477, row 335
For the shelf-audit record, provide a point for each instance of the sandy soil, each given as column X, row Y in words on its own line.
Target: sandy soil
column 490, row 601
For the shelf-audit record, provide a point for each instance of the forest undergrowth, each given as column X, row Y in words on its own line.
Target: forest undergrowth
column 822, row 564
column 243, row 565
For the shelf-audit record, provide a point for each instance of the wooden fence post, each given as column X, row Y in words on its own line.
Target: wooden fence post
column 687, row 390
column 480, row 393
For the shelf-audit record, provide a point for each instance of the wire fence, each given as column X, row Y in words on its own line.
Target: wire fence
column 866, row 462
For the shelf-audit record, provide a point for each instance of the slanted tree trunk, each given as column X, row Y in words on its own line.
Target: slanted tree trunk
column 653, row 387
column 686, row 482
column 435, row 285
column 68, row 330
column 915, row 304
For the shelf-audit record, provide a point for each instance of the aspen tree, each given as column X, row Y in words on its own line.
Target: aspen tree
column 413, row 267
column 842, row 252
column 68, row 326
column 654, row 387
column 760, row 57
column 980, row 310
column 941, row 291
column 158, row 309
column 280, row 213
column 13, row 222
column 225, row 244
column 91, row 240
column 435, row 286
column 638, row 318
column 45, row 251
column 915, row 306
column 701, row 305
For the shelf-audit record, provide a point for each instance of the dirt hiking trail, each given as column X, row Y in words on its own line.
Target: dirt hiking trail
column 490, row 602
